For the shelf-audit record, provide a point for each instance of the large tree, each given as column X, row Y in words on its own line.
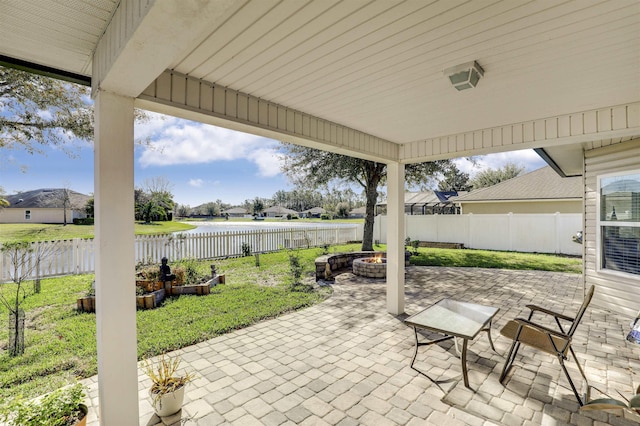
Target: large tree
column 454, row 180
column 312, row 167
column 490, row 177
column 36, row 111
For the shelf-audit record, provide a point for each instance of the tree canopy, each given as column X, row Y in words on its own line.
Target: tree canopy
column 490, row 177
column 38, row 111
column 309, row 167
column 454, row 180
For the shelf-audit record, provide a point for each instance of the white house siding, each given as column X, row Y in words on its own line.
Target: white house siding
column 619, row 292
column 15, row 215
column 526, row 207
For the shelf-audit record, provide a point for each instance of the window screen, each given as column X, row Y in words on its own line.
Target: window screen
column 619, row 221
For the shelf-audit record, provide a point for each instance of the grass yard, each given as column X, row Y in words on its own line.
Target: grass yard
column 496, row 259
column 52, row 232
column 61, row 345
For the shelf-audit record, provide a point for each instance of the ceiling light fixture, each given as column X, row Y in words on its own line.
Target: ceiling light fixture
column 465, row 76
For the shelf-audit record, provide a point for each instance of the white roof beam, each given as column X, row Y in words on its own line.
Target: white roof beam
column 145, row 37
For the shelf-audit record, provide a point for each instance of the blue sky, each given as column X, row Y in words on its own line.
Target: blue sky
column 202, row 162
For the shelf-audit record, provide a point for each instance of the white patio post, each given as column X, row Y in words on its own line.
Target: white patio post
column 395, row 238
column 115, row 263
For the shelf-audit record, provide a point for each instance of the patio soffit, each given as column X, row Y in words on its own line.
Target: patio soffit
column 369, row 69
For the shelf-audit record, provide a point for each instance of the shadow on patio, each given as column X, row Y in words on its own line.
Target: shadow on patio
column 346, row 361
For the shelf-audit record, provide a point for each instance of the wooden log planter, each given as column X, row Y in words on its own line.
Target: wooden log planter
column 155, row 298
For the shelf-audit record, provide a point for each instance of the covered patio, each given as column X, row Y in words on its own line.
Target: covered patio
column 370, row 79
column 346, row 361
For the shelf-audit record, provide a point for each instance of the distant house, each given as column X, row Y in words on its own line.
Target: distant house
column 235, row 212
column 426, row 202
column 358, row 212
column 44, row 206
column 313, row 212
column 540, row 191
column 279, row 211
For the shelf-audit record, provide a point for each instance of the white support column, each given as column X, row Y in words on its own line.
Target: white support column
column 395, row 238
column 115, row 262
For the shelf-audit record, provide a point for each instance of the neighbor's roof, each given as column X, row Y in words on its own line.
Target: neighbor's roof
column 359, row 210
column 315, row 210
column 541, row 184
column 235, row 210
column 280, row 210
column 46, row 198
column 426, row 198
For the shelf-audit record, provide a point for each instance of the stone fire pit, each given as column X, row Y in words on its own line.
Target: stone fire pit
column 370, row 267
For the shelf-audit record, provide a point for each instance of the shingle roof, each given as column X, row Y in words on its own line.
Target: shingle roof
column 541, row 184
column 46, row 198
column 280, row 210
column 315, row 210
column 235, row 210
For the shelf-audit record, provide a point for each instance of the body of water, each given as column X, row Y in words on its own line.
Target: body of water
column 206, row 227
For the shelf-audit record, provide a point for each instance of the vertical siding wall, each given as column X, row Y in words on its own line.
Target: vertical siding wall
column 616, row 291
column 541, row 233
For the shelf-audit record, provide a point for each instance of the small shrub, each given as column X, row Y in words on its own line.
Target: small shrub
column 246, row 249
column 325, row 216
column 83, row 221
column 192, row 273
column 61, row 407
column 415, row 244
column 295, row 271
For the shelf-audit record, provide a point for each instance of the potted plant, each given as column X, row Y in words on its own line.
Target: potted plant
column 62, row 407
column 167, row 387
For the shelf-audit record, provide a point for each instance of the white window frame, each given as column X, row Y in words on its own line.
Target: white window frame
column 600, row 223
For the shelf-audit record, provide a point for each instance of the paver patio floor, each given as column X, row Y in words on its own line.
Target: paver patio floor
column 346, row 361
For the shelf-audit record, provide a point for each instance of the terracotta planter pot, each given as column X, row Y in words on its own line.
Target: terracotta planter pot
column 169, row 403
column 83, row 421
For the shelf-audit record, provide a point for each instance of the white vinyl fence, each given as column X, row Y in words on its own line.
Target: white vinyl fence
column 540, row 233
column 77, row 256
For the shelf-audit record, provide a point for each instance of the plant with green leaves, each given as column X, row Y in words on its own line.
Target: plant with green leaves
column 296, row 270
column 62, row 407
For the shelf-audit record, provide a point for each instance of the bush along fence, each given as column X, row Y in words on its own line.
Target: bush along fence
column 77, row 256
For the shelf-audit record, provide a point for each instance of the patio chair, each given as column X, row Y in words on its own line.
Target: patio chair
column 558, row 343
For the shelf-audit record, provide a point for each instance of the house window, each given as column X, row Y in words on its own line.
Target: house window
column 619, row 222
column 27, row 214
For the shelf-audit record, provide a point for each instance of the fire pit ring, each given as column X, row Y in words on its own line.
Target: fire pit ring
column 370, row 267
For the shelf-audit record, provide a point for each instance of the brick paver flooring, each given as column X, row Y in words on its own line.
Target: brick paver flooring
column 346, row 361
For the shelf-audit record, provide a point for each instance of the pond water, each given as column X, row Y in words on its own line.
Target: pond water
column 206, row 227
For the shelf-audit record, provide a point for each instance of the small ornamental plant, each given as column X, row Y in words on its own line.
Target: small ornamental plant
column 164, row 377
column 62, row 407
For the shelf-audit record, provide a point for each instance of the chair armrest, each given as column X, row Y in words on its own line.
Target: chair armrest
column 554, row 333
column 536, row 308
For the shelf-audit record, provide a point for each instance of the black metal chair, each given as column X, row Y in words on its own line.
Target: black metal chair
column 553, row 342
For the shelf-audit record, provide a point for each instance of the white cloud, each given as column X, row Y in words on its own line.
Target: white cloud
column 526, row 158
column 197, row 183
column 174, row 141
column 268, row 161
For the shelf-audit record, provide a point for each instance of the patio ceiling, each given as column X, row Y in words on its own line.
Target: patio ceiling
column 374, row 67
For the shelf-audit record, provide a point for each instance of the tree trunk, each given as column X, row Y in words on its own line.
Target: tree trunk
column 373, row 174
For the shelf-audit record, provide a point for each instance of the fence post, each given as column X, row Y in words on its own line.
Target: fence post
column 76, row 256
column 510, row 231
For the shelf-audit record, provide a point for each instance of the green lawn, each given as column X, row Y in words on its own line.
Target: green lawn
column 496, row 259
column 60, row 342
column 61, row 345
column 50, row 232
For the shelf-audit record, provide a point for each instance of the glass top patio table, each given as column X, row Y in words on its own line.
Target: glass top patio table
column 453, row 319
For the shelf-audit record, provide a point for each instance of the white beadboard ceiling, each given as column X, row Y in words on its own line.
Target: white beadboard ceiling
column 376, row 65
